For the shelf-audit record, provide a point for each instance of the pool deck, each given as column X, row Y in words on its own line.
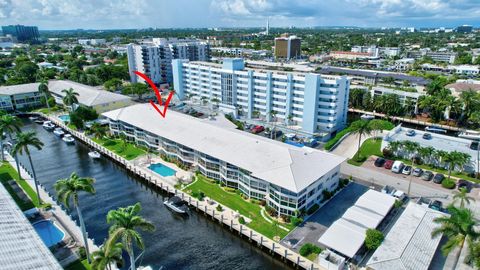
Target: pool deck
column 144, row 162
column 61, row 216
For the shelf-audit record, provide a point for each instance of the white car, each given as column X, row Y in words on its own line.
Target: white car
column 290, row 136
column 397, row 166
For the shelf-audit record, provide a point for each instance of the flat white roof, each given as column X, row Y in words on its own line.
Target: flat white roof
column 409, row 244
column 88, row 95
column 19, row 89
column 20, row 245
column 347, row 234
column 287, row 166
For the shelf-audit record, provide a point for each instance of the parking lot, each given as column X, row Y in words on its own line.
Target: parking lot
column 311, row 230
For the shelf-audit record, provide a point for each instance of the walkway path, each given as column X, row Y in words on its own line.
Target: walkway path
column 349, row 146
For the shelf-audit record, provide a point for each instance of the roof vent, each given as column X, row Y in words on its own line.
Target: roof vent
column 256, row 141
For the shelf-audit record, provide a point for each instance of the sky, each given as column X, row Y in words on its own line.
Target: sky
column 121, row 14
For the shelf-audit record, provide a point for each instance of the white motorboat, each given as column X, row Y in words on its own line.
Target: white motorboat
column 471, row 135
column 176, row 205
column 68, row 138
column 33, row 118
column 59, row 132
column 48, row 125
column 367, row 117
column 94, row 154
column 38, row 121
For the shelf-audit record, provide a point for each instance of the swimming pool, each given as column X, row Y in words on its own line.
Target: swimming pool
column 64, row 118
column 49, row 232
column 162, row 169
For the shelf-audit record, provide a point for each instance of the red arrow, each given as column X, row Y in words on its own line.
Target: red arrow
column 157, row 94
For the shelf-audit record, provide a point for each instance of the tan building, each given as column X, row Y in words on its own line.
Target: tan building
column 344, row 55
column 288, row 47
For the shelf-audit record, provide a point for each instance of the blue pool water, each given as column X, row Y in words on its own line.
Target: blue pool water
column 65, row 118
column 162, row 169
column 49, row 233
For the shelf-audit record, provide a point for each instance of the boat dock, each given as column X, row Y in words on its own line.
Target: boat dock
column 228, row 219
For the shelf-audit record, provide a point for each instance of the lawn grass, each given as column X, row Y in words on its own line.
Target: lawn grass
column 7, row 172
column 78, row 265
column 130, row 152
column 236, row 202
column 370, row 147
column 328, row 145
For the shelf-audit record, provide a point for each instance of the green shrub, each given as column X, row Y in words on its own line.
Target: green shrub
column 219, row 208
column 373, row 239
column 309, row 248
column 199, row 195
column 230, row 189
column 398, row 204
column 312, row 209
column 82, row 253
column 334, row 140
column 295, row 221
column 262, row 202
column 326, row 195
column 448, row 183
column 271, row 211
column 241, row 220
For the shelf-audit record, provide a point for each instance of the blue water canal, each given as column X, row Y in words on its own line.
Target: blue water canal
column 193, row 242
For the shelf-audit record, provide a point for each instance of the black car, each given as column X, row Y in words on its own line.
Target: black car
column 427, row 136
column 438, row 178
column 379, row 162
column 474, row 146
column 436, row 205
column 462, row 183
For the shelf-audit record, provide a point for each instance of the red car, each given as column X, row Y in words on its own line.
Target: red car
column 257, row 129
column 388, row 164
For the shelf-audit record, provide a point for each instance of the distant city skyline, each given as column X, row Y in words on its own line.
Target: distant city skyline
column 122, row 14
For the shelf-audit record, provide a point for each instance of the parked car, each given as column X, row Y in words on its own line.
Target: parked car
column 427, row 176
column 436, row 205
column 427, row 136
column 388, row 164
column 438, row 178
column 462, row 183
column 399, row 195
column 424, row 201
column 257, row 129
column 417, row 172
column 407, row 170
column 397, row 166
column 290, row 136
column 388, row 190
column 410, row 132
column 474, row 146
column 379, row 162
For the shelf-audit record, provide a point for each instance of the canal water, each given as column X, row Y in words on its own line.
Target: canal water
column 193, row 242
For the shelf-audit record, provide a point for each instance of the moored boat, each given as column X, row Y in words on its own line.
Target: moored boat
column 367, row 117
column 68, row 138
column 436, row 130
column 48, row 125
column 176, row 205
column 59, row 132
column 94, row 154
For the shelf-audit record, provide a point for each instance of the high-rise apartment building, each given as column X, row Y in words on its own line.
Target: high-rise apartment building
column 22, row 33
column 314, row 103
column 155, row 58
column 288, row 47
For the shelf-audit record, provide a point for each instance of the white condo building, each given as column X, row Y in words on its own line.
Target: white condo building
column 288, row 178
column 155, row 58
column 316, row 104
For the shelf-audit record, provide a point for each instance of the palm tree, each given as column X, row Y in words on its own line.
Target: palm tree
column 70, row 97
column 411, row 148
column 428, row 153
column 68, row 190
column 470, row 101
column 125, row 222
column 123, row 139
column 106, row 256
column 273, row 115
column 43, row 89
column 441, row 157
column 394, row 146
column 462, row 197
column 453, row 159
column 24, row 141
column 10, row 125
column 361, row 128
column 458, row 228
column 98, row 131
column 473, row 257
